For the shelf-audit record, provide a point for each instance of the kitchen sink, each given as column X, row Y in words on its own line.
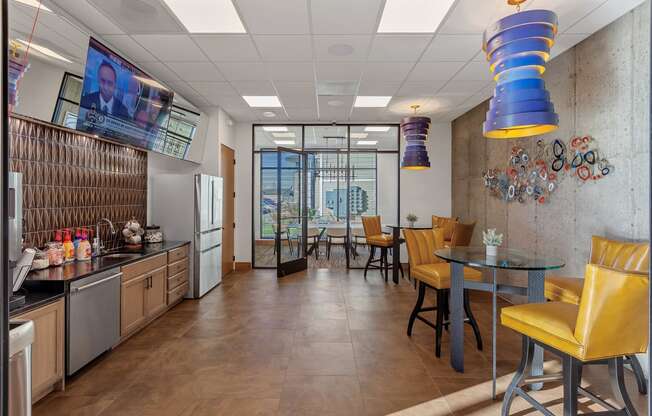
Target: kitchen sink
column 121, row 256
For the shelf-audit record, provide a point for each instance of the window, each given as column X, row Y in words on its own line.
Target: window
column 67, row 106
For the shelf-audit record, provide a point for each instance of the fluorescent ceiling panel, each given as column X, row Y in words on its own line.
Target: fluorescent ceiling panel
column 359, row 135
column 35, row 4
column 275, row 128
column 284, row 135
column 374, row 101
column 284, row 142
column 262, row 100
column 377, row 129
column 207, row 16
column 367, row 142
column 414, row 16
column 45, row 51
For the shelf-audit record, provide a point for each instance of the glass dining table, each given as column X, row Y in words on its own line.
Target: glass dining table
column 505, row 259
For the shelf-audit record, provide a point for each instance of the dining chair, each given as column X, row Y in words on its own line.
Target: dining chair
column 358, row 238
column 335, row 236
column 314, row 234
column 621, row 255
column 610, row 322
column 447, row 224
column 376, row 239
column 432, row 272
column 462, row 234
column 280, row 236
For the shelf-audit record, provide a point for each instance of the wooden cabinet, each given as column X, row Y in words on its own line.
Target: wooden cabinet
column 177, row 274
column 156, row 292
column 48, row 347
column 132, row 304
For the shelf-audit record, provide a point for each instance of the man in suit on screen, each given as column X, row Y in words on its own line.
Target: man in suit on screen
column 103, row 100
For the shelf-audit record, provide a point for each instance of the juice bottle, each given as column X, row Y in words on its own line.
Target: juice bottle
column 78, row 238
column 68, row 247
column 83, row 251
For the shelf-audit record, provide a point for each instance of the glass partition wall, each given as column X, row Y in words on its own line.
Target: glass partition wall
column 350, row 171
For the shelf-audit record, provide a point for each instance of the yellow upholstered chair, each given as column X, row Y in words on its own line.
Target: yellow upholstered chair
column 462, row 234
column 432, row 272
column 447, row 224
column 377, row 239
column 621, row 255
column 611, row 321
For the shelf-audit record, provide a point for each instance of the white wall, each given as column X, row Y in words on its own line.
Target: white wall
column 38, row 90
column 243, row 184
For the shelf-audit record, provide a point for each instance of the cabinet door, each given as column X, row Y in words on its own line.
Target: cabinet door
column 156, row 292
column 47, row 349
column 132, row 304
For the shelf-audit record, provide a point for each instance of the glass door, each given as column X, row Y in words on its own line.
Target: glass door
column 291, row 226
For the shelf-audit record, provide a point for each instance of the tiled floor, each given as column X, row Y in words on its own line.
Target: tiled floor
column 325, row 342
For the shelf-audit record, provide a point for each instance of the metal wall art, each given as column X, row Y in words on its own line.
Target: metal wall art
column 535, row 174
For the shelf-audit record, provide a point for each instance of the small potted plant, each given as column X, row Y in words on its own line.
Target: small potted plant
column 411, row 219
column 492, row 240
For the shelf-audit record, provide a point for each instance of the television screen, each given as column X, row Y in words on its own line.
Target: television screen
column 121, row 102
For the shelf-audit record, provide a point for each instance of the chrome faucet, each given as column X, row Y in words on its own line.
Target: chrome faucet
column 97, row 241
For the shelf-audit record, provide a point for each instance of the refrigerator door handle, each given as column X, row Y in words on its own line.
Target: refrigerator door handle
column 210, row 248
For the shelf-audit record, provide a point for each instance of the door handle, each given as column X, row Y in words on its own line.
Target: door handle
column 99, row 282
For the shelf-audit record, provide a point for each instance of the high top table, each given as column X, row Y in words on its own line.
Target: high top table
column 506, row 259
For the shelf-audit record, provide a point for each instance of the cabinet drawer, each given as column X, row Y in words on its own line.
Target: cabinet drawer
column 177, row 266
column 134, row 270
column 177, row 254
column 177, row 293
column 177, row 279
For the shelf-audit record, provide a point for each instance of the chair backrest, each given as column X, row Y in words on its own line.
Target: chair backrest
column 622, row 255
column 613, row 313
column 372, row 225
column 421, row 245
column 445, row 223
column 462, row 234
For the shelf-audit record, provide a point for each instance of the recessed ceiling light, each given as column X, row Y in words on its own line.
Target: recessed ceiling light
column 367, row 142
column 207, row 16
column 414, row 16
column 269, row 114
column 262, row 100
column 45, row 51
column 359, row 135
column 284, row 142
column 275, row 128
column 377, row 129
column 372, row 100
column 284, row 135
column 34, row 3
column 340, row 49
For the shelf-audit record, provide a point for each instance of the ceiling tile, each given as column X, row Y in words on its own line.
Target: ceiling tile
column 227, row 48
column 420, row 89
column 369, row 114
column 473, row 16
column 243, row 71
column 352, row 48
column 296, row 89
column 274, row 17
column 335, row 108
column 84, row 12
column 284, row 48
column 291, row 71
column 344, row 17
column 130, row 48
column 603, row 15
column 299, row 101
column 254, row 87
column 301, row 113
column 214, row 89
column 453, row 48
column 448, row 100
column 386, row 71
column 342, row 71
column 569, row 12
column 159, row 70
column 280, row 116
column 463, row 87
column 474, row 71
column 141, row 16
column 378, row 88
column 171, row 48
column 196, row 71
column 398, row 48
column 434, row 71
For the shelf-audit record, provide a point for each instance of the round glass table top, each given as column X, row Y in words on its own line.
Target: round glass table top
column 505, row 258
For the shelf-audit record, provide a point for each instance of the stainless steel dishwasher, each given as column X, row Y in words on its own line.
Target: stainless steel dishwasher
column 92, row 318
column 21, row 337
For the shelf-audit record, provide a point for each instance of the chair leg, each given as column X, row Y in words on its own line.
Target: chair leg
column 328, row 248
column 570, row 368
column 617, row 379
column 439, row 323
column 413, row 316
column 386, row 265
column 472, row 321
column 526, row 362
column 316, row 248
column 638, row 373
column 372, row 252
column 400, row 267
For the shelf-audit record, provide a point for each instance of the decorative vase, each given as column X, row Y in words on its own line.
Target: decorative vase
column 411, row 224
column 492, row 251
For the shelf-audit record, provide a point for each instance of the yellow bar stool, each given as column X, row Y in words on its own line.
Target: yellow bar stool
column 377, row 239
column 609, row 323
column 448, row 225
column 622, row 255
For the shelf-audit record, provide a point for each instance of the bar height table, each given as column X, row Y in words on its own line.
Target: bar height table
column 506, row 259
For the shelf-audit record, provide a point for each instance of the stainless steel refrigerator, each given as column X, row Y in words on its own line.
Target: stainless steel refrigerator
column 208, row 234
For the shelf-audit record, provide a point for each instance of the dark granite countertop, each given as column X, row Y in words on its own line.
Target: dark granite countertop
column 38, row 293
column 79, row 269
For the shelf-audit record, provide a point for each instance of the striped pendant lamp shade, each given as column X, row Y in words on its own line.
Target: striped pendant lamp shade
column 415, row 132
column 517, row 48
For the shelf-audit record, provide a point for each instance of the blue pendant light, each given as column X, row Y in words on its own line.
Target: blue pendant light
column 517, row 48
column 415, row 131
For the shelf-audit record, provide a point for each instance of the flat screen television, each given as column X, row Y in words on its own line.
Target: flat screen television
column 121, row 102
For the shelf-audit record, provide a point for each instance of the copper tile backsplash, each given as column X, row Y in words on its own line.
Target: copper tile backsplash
column 72, row 180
